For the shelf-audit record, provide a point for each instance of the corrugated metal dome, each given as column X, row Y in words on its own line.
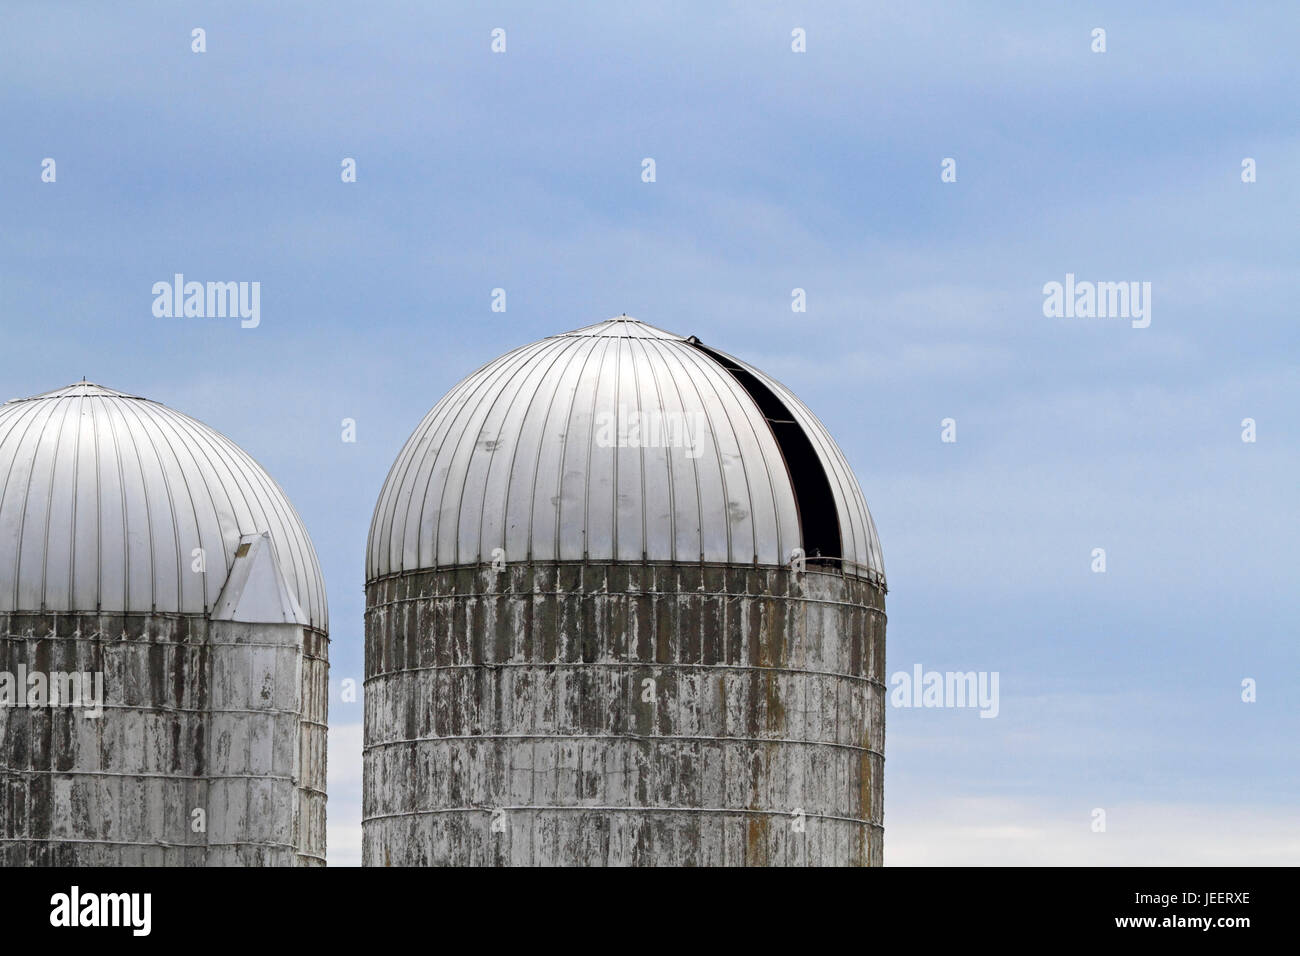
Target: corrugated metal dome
column 620, row 441
column 104, row 496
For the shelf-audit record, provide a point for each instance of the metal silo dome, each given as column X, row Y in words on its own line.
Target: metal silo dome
column 104, row 496
column 156, row 575
column 524, row 460
column 625, row 605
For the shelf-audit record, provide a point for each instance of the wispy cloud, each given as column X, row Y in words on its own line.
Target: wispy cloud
column 981, row 831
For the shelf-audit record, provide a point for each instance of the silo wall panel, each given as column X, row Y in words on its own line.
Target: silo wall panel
column 196, row 716
column 623, row 715
column 115, row 789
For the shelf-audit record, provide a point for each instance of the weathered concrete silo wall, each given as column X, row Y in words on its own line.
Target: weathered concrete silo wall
column 266, row 774
column 219, row 717
column 118, row 789
column 624, row 714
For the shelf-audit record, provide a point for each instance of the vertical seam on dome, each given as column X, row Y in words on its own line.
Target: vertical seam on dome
column 388, row 551
column 663, row 351
column 165, row 415
column 717, row 451
column 636, row 380
column 448, row 418
column 22, row 504
column 748, row 401
column 390, row 494
column 189, row 440
column 99, row 508
column 568, row 348
column 715, row 370
column 233, row 476
column 202, row 441
column 591, row 430
column 155, row 560
column 72, row 526
column 49, row 500
column 574, row 350
column 522, row 369
column 481, row 393
column 722, row 468
column 148, row 511
column 567, row 424
column 668, row 459
column 109, row 408
column 560, row 350
column 614, row 450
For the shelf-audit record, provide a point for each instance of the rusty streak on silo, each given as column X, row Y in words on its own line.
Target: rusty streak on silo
column 624, row 605
column 139, row 544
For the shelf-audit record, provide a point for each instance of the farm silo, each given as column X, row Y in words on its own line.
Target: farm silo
column 163, row 644
column 624, row 605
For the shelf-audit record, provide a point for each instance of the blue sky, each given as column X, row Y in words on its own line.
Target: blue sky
column 775, row 170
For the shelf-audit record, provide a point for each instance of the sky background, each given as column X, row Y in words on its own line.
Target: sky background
column 775, row 170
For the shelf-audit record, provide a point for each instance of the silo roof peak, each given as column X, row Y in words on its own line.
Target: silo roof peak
column 82, row 389
column 624, row 326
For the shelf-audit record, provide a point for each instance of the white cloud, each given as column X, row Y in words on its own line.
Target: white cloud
column 981, row 831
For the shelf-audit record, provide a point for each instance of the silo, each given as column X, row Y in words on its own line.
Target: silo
column 149, row 564
column 624, row 606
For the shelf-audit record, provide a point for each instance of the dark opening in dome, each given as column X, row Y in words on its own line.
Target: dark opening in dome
column 819, row 525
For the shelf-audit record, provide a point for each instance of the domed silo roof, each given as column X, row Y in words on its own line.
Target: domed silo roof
column 520, row 461
column 104, row 496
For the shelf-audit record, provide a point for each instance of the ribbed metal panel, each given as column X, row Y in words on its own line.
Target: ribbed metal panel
column 104, row 496
column 511, row 459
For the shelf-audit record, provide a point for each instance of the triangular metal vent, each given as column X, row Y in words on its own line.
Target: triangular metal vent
column 255, row 592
